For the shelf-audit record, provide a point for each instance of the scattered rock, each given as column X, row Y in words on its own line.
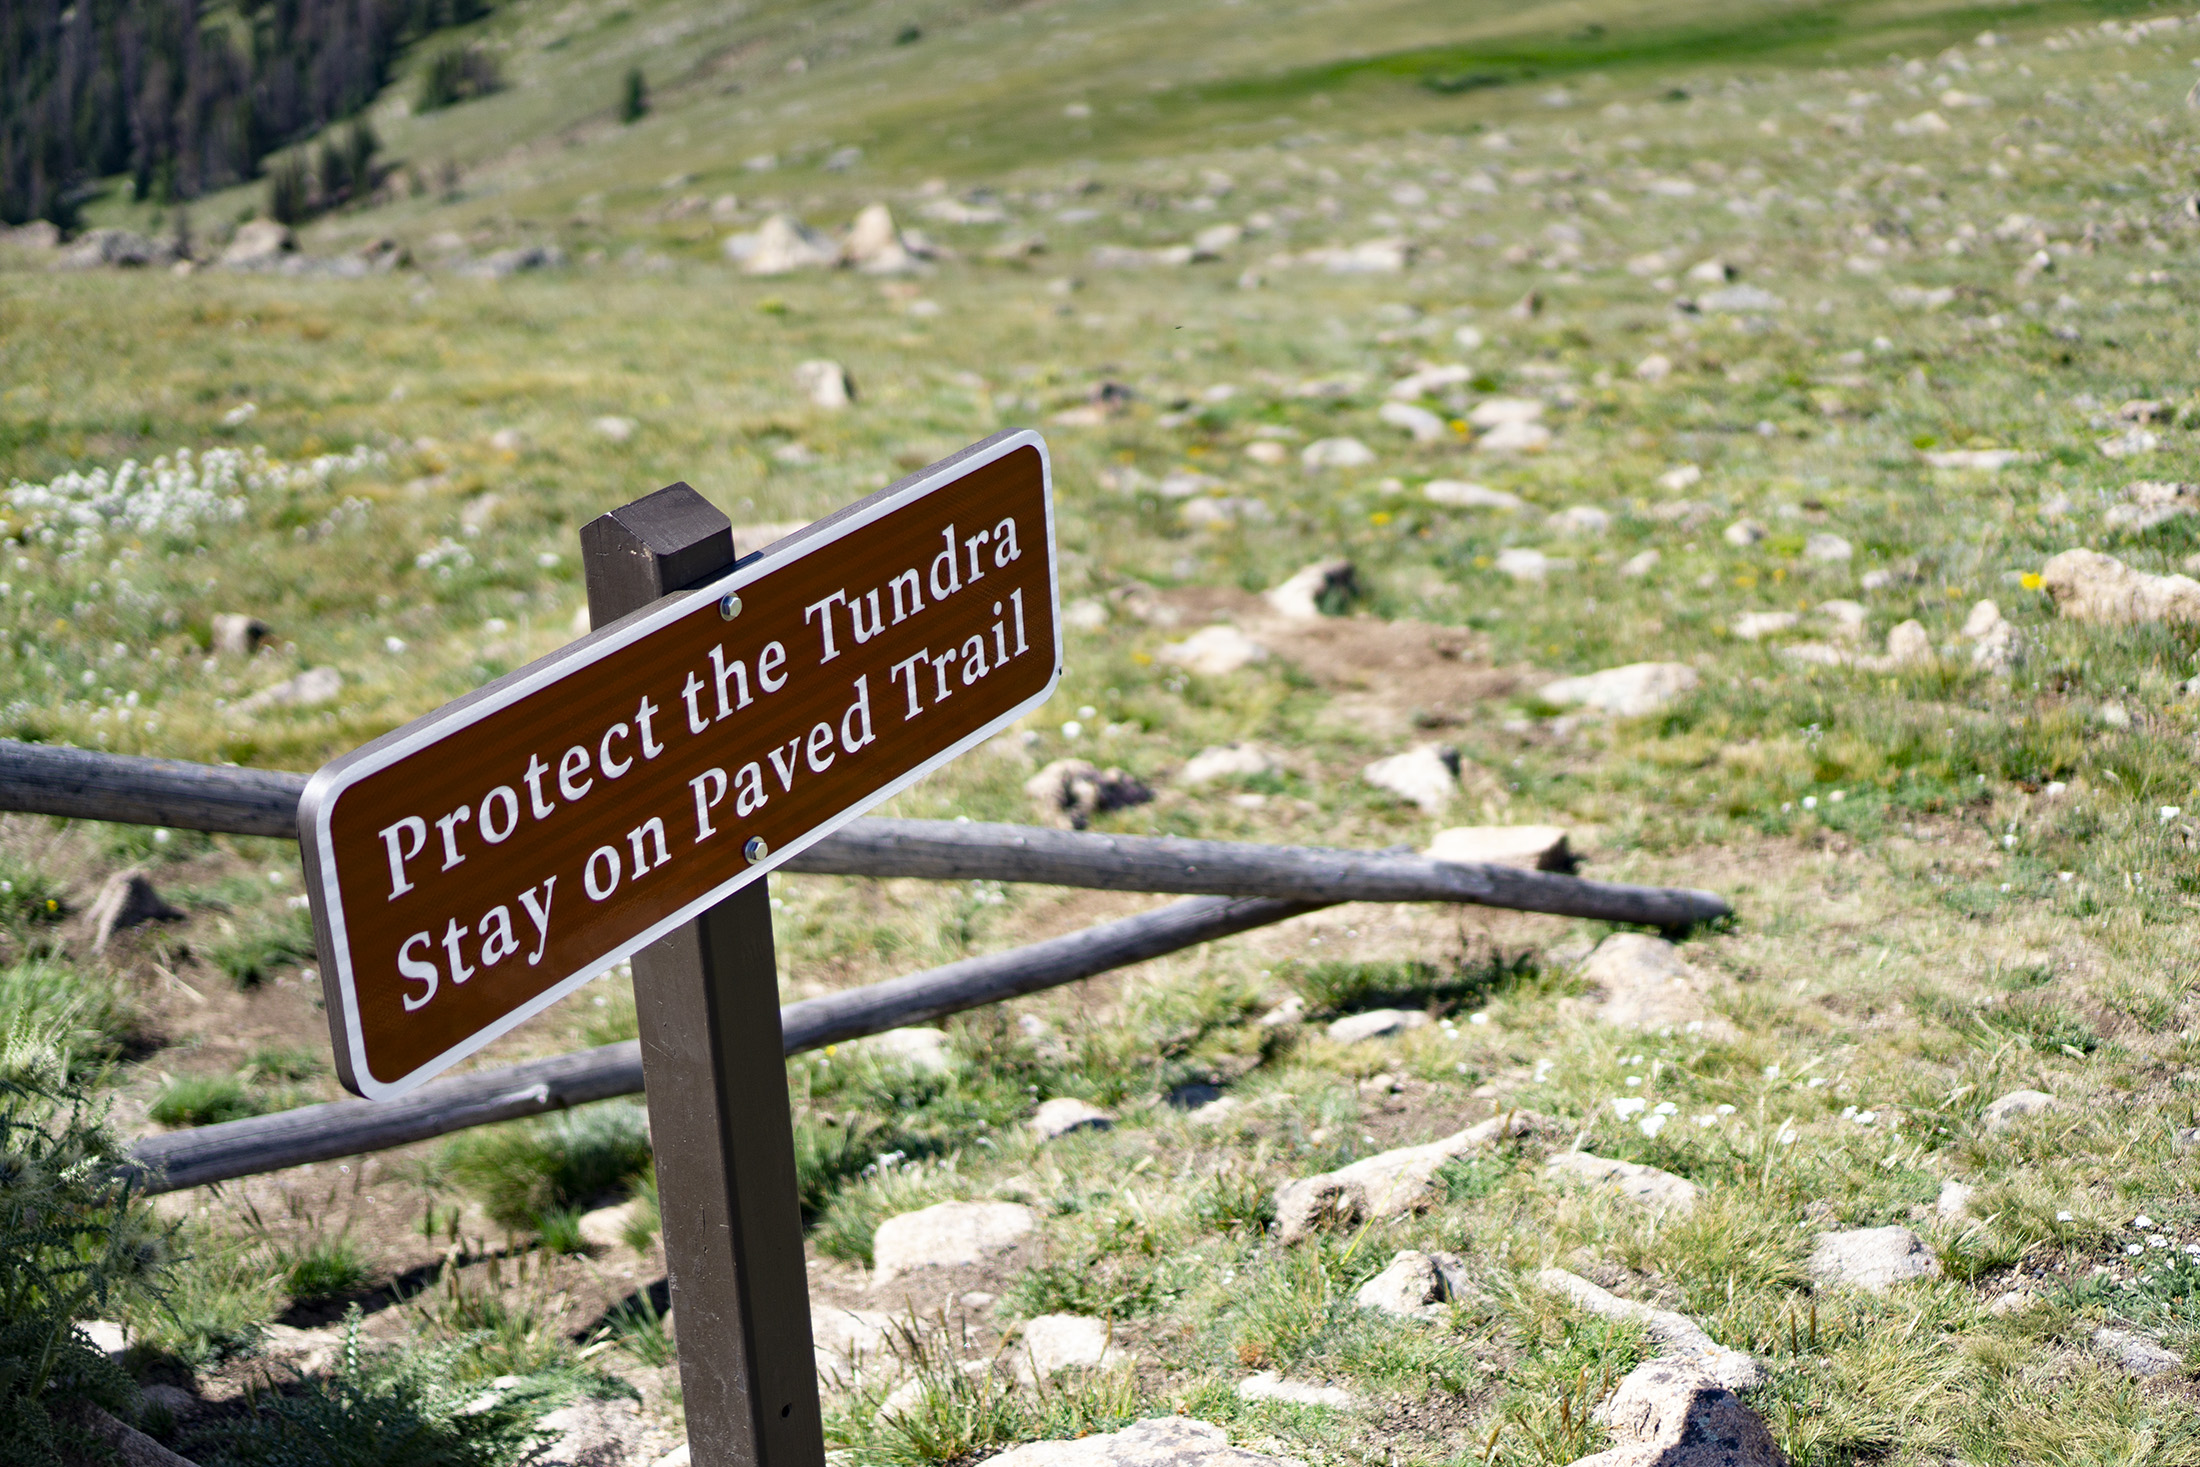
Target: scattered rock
column 1160, row 1441
column 1427, row 775
column 1739, row 300
column 1655, row 367
column 1647, row 984
column 1579, row 519
column 2091, row 587
column 1976, row 460
column 1224, row 761
column 1633, row 691
column 1215, row 1112
column 1415, row 1285
column 126, row 899
column 1214, row 651
column 1497, row 412
column 1666, row 1414
column 1753, row 626
column 1873, row 1259
column 2152, row 502
column 1680, row 476
column 2135, row 1354
column 1530, row 847
column 875, row 246
column 597, row 1433
column 1514, row 438
column 852, row 1344
column 1743, row 533
column 1461, row 494
column 1680, row 1340
column 783, row 244
column 617, row 429
column 307, row 1351
column 1523, row 564
column 1290, row 1011
column 1337, row 453
column 1390, row 1182
column 605, row 1227
column 114, row 248
column 1323, row 588
column 515, row 261
column 1641, row 563
column 258, row 244
column 39, row 234
column 1424, row 425
column 677, row 1457
column 1269, row 1385
column 1955, row 1199
column 946, row 1234
column 2016, row 1106
column 2013, row 1301
column 106, row 1336
column 1056, row 1342
column 1374, row 1024
column 1069, row 792
column 1429, row 380
column 1646, row 1185
column 825, row 384
column 1907, row 645
column 1828, row 548
column 1064, row 1114
column 238, row 635
column 923, row 1050
column 309, row 689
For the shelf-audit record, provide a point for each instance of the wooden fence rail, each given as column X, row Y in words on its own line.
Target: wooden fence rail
column 1234, row 887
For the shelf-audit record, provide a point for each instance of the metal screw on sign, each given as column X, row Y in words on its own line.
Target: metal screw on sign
column 729, row 606
column 756, row 850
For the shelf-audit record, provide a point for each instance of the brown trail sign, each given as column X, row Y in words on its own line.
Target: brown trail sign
column 471, row 868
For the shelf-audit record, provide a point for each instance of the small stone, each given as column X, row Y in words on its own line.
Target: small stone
column 2135, row 1354
column 1069, row 792
column 1634, row 691
column 1872, row 1259
column 1743, row 533
column 1646, row 984
column 2088, row 586
column 2016, row 1106
column 1739, row 300
column 1056, row 1342
column 1337, row 453
column 923, row 1050
column 1224, row 761
column 1415, row 1285
column 1374, row 1024
column 947, row 1234
column 1655, row 367
column 1214, row 651
column 1323, row 588
column 1647, row 1185
column 1064, row 1114
column 1530, row 847
column 1579, row 519
column 309, row 689
column 1514, row 438
column 106, row 1336
column 1908, row 644
column 258, row 244
column 875, row 247
column 1290, row 1011
column 1668, row 1413
column 1497, row 412
column 238, row 635
column 1427, row 775
column 1680, row 476
column 2013, row 1301
column 783, row 244
column 1269, row 1385
column 617, row 429
column 1463, row 494
column 1523, row 564
column 826, row 384
column 1162, row 1441
column 1640, row 564
column 116, row 248
column 1955, row 1199
column 125, row 900
column 1753, row 626
column 1215, row 1112
column 1828, row 548
column 1390, row 1182
column 852, row 1342
column 1424, row 425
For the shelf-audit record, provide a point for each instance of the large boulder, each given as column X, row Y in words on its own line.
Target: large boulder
column 2089, row 586
column 1390, row 1182
column 947, row 1234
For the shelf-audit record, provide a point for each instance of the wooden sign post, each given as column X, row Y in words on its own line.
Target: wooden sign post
column 626, row 797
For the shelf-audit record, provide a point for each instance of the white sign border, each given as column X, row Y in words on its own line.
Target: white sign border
column 316, row 807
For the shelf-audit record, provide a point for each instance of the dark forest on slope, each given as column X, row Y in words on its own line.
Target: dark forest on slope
column 183, row 97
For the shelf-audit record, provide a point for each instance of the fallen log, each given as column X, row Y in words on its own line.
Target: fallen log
column 257, row 1144
column 83, row 784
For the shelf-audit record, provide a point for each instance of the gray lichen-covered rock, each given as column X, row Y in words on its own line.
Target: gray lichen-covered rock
column 1873, row 1259
column 593, row 1433
column 1160, row 1441
column 1427, row 775
column 1530, row 847
column 947, row 1234
column 1633, row 691
column 1390, row 1182
column 2016, row 1106
column 1057, row 1342
column 1647, row 1185
column 1415, row 1285
column 1665, row 1414
column 1064, row 1114
column 2135, row 1354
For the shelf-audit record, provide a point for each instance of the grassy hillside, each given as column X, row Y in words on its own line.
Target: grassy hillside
column 1759, row 271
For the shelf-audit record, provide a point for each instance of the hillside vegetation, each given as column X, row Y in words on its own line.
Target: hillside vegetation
column 1782, row 347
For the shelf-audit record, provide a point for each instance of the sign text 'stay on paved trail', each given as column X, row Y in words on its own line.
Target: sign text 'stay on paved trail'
column 473, row 867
